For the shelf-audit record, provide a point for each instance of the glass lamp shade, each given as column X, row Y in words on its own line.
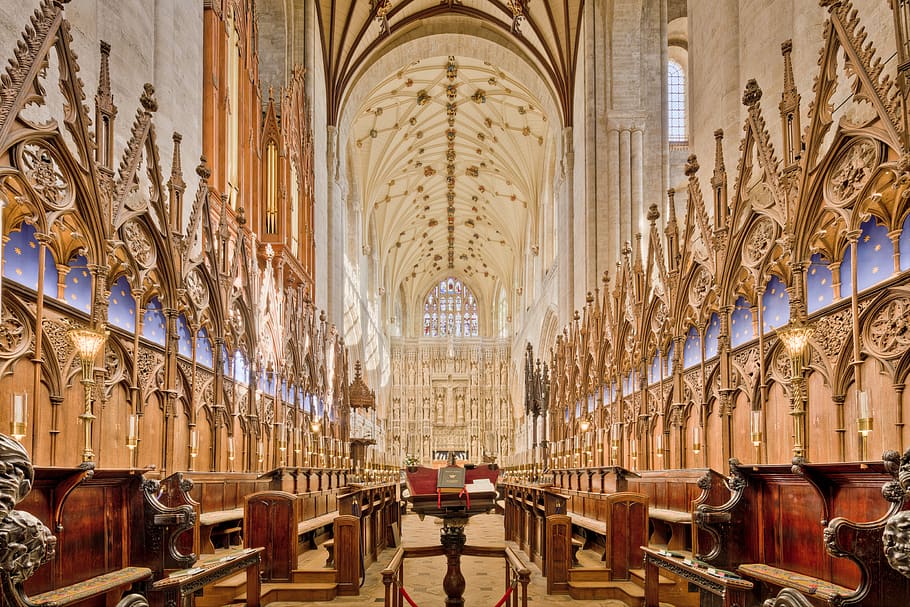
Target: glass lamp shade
column 795, row 336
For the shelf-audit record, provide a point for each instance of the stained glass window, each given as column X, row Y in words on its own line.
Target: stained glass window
column 450, row 309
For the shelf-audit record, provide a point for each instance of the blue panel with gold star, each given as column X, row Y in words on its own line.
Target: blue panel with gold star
column 20, row 261
column 78, row 291
column 819, row 279
column 184, row 337
column 875, row 255
column 904, row 245
column 226, row 361
column 121, row 310
column 775, row 304
column 654, row 368
column 711, row 336
column 692, row 350
column 669, row 359
column 241, row 368
column 741, row 328
column 204, row 354
column 154, row 326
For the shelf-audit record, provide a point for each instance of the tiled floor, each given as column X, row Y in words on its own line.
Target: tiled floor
column 423, row 577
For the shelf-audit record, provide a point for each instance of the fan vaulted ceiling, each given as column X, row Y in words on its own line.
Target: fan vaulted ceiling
column 352, row 31
column 451, row 157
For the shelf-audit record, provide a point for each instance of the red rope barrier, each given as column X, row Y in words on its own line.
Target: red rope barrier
column 504, row 597
column 408, row 599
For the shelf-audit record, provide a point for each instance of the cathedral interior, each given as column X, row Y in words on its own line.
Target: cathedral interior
column 613, row 292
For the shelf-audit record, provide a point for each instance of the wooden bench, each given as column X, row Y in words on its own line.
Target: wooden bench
column 286, row 524
column 773, row 531
column 113, row 582
column 674, row 495
column 217, row 498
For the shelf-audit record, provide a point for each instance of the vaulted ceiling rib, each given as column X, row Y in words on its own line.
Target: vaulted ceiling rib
column 451, row 157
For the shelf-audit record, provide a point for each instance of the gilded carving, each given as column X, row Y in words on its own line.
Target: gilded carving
column 55, row 333
column 759, row 242
column 139, row 243
column 832, row 331
column 14, row 335
column 851, row 171
column 887, row 334
column 700, row 287
column 43, row 172
column 197, row 290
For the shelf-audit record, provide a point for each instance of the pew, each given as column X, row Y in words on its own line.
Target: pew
column 127, row 538
column 287, row 524
column 776, row 530
column 674, row 496
column 218, row 497
column 378, row 506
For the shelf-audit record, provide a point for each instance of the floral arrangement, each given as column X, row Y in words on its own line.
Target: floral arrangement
column 411, row 461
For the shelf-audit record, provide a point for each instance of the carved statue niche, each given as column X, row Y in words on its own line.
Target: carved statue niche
column 25, row 542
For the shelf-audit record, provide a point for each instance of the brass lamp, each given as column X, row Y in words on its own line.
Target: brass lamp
column 88, row 343
column 795, row 336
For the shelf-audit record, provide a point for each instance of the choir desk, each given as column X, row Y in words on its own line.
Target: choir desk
column 179, row 587
column 729, row 586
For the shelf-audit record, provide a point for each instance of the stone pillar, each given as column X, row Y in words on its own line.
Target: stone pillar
column 566, row 254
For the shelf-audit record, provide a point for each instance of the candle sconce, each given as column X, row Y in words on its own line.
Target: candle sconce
column 17, row 424
column 863, row 421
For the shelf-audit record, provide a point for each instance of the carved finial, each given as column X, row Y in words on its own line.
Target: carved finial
column 176, row 165
column 148, row 98
column 752, row 94
column 627, row 249
column 576, row 316
column 202, row 169
column 605, row 278
column 653, row 214
column 241, row 216
column 589, row 298
column 105, row 98
column 691, row 165
column 718, row 150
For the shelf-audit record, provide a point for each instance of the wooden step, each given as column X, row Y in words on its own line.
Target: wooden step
column 629, row 592
column 293, row 593
column 313, row 576
column 589, row 574
column 222, row 592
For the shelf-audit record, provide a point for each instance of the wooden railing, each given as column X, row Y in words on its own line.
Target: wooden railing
column 517, row 576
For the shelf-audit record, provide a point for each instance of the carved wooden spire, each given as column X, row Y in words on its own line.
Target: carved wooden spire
column 789, row 110
column 672, row 232
column 105, row 113
column 176, row 186
column 719, row 182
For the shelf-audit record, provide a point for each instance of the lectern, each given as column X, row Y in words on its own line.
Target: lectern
column 453, row 494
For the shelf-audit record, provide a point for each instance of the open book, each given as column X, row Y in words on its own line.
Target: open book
column 480, row 485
